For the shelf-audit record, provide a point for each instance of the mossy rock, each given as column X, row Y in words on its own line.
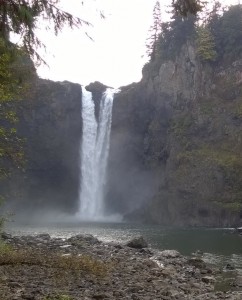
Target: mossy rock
column 181, row 124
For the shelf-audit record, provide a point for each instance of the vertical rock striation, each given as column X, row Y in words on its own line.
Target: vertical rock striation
column 175, row 147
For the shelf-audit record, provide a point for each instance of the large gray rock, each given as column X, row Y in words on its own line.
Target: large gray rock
column 86, row 238
column 97, row 89
column 169, row 254
column 137, row 243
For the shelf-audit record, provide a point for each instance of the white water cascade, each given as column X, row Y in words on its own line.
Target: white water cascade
column 94, row 155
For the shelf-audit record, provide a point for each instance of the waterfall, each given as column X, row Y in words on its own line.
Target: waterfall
column 94, row 155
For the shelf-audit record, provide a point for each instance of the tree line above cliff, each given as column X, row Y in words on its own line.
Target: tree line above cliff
column 216, row 34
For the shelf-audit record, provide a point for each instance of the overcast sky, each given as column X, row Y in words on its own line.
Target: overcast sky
column 115, row 57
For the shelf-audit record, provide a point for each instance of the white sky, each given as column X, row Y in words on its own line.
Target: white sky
column 115, row 57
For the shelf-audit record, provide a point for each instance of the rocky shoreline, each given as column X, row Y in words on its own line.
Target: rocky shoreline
column 81, row 267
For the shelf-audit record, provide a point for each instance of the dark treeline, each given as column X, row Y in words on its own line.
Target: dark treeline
column 216, row 33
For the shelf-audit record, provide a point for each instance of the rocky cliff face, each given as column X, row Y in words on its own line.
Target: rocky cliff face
column 50, row 122
column 175, row 153
column 175, row 149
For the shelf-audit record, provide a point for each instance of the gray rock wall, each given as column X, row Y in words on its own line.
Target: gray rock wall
column 175, row 152
column 181, row 126
column 50, row 122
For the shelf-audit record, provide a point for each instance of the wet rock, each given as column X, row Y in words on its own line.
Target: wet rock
column 43, row 236
column 137, row 243
column 208, row 279
column 97, row 89
column 99, row 296
column 198, row 253
column 238, row 281
column 80, row 238
column 229, row 267
column 169, row 254
column 239, row 230
column 5, row 236
column 197, row 262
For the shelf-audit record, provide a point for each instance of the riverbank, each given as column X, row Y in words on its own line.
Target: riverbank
column 81, row 267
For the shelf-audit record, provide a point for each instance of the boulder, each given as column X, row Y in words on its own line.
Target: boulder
column 208, row 279
column 97, row 89
column 197, row 262
column 137, row 243
column 170, row 254
column 229, row 267
column 83, row 238
column 5, row 236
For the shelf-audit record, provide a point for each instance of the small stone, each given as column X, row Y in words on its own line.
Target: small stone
column 208, row 279
column 14, row 284
column 229, row 267
column 65, row 246
column 238, row 281
column 43, row 236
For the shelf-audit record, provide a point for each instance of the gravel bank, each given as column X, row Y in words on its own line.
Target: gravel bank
column 81, row 267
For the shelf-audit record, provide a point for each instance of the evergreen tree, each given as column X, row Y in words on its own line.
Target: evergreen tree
column 186, row 7
column 21, row 17
column 154, row 32
column 212, row 21
column 180, row 30
column 231, row 33
column 14, row 73
column 212, row 18
column 205, row 44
